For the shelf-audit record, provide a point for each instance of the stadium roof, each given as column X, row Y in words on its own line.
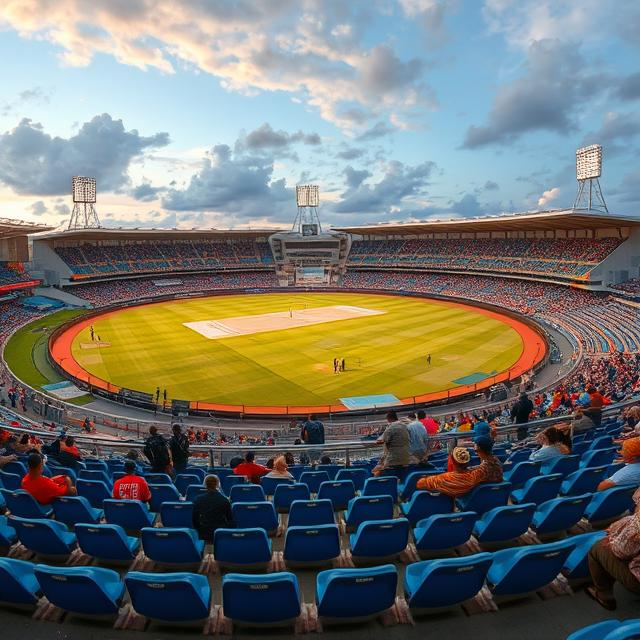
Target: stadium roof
column 122, row 233
column 16, row 228
column 565, row 219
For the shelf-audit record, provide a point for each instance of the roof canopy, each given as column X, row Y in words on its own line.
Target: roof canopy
column 17, row 228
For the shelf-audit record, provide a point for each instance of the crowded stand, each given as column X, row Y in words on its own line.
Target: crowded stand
column 567, row 257
column 93, row 260
column 12, row 274
column 630, row 286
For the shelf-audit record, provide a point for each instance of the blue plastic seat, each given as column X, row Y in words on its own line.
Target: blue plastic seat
column 172, row 546
column 201, row 472
column 313, row 479
column 331, row 469
column 72, row 509
column 598, row 457
column 521, row 472
column 169, row 597
column 86, row 591
column 522, row 570
column 94, row 474
column 503, row 524
column 424, row 504
column 184, row 480
column 46, row 538
column 285, row 494
column 435, row 584
column 357, row 476
column 193, row 491
column 408, row 487
column 310, row 513
column 556, row 516
column 296, row 470
column 602, row 442
column 162, row 493
column 579, row 448
column 10, row 481
column 365, row 508
column 379, row 539
column 583, row 481
column 96, row 465
column 95, row 491
column 24, row 505
column 560, row 464
column 176, row 514
column 485, row 497
column 338, row 491
column 221, row 472
column 226, row 482
column 538, row 490
column 311, row 546
column 18, row 584
column 8, row 536
column 596, row 631
column 351, row 595
column 272, row 599
column 442, row 533
column 242, row 548
column 17, row 467
column 107, row 542
column 247, row 493
column 158, row 478
column 247, row 515
column 131, row 515
column 519, row 455
column 610, row 504
column 269, row 485
column 628, row 630
column 384, row 486
column 576, row 566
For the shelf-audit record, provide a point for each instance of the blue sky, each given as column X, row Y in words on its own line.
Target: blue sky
column 208, row 112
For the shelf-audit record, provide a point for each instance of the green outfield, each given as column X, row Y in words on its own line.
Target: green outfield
column 145, row 347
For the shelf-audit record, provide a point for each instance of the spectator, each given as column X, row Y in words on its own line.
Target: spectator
column 211, row 510
column 250, row 469
column 131, row 486
column 179, row 446
column 44, row 489
column 325, row 460
column 630, row 473
column 418, row 439
column 313, row 433
column 616, row 558
column 430, row 425
column 279, row 469
column 158, row 452
column 396, row 447
column 69, row 454
column 596, row 402
column 304, row 457
column 490, row 468
column 289, row 459
column 581, row 422
column 453, row 483
column 520, row 413
column 553, row 445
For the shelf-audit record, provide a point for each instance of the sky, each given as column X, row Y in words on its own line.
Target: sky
column 207, row 113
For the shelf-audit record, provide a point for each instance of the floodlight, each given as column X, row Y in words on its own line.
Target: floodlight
column 83, row 189
column 589, row 162
column 308, row 195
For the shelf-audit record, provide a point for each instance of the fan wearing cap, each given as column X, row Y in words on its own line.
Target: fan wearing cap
column 452, row 483
column 630, row 473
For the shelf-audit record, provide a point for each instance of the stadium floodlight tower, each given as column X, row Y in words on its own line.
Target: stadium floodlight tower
column 307, row 256
column 84, row 215
column 589, row 170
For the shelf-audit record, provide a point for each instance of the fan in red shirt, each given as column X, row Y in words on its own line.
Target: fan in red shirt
column 131, row 486
column 44, row 489
column 250, row 469
column 430, row 425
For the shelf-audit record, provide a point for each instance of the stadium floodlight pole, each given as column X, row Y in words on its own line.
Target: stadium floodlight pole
column 308, row 201
column 84, row 194
column 589, row 170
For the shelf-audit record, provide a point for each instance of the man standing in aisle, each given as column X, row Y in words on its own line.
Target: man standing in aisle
column 313, row 433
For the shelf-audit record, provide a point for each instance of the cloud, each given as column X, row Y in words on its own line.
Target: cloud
column 146, row 192
column 355, row 178
column 430, row 14
column 399, row 181
column 32, row 162
column 629, row 87
column 379, row 130
column 546, row 97
column 36, row 95
column 350, row 153
column 316, row 52
column 548, row 196
column 233, row 183
column 265, row 138
column 490, row 185
column 38, row 208
column 617, row 130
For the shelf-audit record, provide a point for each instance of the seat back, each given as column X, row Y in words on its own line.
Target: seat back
column 80, row 590
column 228, row 481
column 444, row 531
column 240, row 547
column 521, row 472
column 602, row 442
column 266, row 599
column 95, row 474
column 18, row 584
column 269, row 485
column 560, row 464
column 247, row 515
column 426, row 503
column 338, row 491
column 310, row 513
column 95, row 491
column 158, row 478
column 408, row 487
column 598, row 457
column 331, row 469
column 194, row 490
column 171, row 545
column 44, row 537
column 184, row 480
column 505, row 523
column 380, row 538
column 576, row 566
column 346, row 594
column 559, row 514
column 96, row 465
column 162, row 493
column 610, row 503
column 285, row 494
column 384, row 486
column 72, row 509
column 357, row 476
column 24, row 505
column 317, row 544
column 368, row 508
column 11, row 481
column 541, row 489
column 313, row 479
column 247, row 493
column 105, row 542
column 584, row 481
column 17, row 467
column 177, row 514
column 169, row 597
column 486, row 497
column 132, row 515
